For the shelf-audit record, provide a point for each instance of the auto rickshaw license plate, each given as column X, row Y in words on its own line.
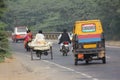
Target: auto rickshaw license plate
column 90, row 46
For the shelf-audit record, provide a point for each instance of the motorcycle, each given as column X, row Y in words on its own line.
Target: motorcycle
column 65, row 48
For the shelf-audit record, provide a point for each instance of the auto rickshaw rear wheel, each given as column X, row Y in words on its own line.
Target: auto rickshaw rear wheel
column 86, row 61
column 76, row 62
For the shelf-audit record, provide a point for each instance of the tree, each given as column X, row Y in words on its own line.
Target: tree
column 110, row 15
column 3, row 36
column 51, row 15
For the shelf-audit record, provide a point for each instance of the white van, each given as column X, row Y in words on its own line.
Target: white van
column 19, row 33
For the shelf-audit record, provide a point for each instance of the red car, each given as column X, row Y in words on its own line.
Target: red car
column 19, row 33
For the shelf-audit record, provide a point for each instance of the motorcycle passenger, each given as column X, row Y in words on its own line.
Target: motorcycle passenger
column 28, row 38
column 64, row 37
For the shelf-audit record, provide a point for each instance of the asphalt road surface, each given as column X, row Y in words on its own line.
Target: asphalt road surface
column 95, row 70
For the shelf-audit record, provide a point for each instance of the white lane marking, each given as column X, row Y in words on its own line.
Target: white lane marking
column 60, row 66
column 107, row 57
column 95, row 79
column 69, row 69
column 86, row 75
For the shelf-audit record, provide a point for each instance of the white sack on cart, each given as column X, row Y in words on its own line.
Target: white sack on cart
column 41, row 43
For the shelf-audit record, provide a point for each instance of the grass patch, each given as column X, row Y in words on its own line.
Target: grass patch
column 3, row 55
column 2, row 58
column 8, row 55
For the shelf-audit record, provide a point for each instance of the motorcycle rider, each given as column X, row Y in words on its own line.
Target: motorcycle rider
column 27, row 38
column 64, row 37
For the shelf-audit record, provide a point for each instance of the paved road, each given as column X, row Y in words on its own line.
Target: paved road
column 65, row 64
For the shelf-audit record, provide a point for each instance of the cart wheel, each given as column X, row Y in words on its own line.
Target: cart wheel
column 76, row 62
column 86, row 61
column 104, row 60
column 63, row 53
column 66, row 53
column 40, row 54
column 31, row 54
column 51, row 52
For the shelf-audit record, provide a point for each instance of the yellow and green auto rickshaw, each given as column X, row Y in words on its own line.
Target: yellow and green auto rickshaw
column 88, row 41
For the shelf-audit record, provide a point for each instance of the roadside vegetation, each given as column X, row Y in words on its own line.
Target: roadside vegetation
column 54, row 15
column 4, row 45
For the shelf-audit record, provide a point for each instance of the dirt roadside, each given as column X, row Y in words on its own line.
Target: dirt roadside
column 12, row 69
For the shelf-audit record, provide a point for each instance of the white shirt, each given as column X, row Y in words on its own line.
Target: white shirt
column 39, row 37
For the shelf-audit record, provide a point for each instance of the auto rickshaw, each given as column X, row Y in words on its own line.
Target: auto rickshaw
column 88, row 41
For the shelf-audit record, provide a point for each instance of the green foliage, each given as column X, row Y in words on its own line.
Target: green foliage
column 2, row 7
column 53, row 15
column 3, row 36
column 110, row 15
column 4, row 48
column 2, row 26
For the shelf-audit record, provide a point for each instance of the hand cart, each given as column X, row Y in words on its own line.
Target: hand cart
column 40, row 50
